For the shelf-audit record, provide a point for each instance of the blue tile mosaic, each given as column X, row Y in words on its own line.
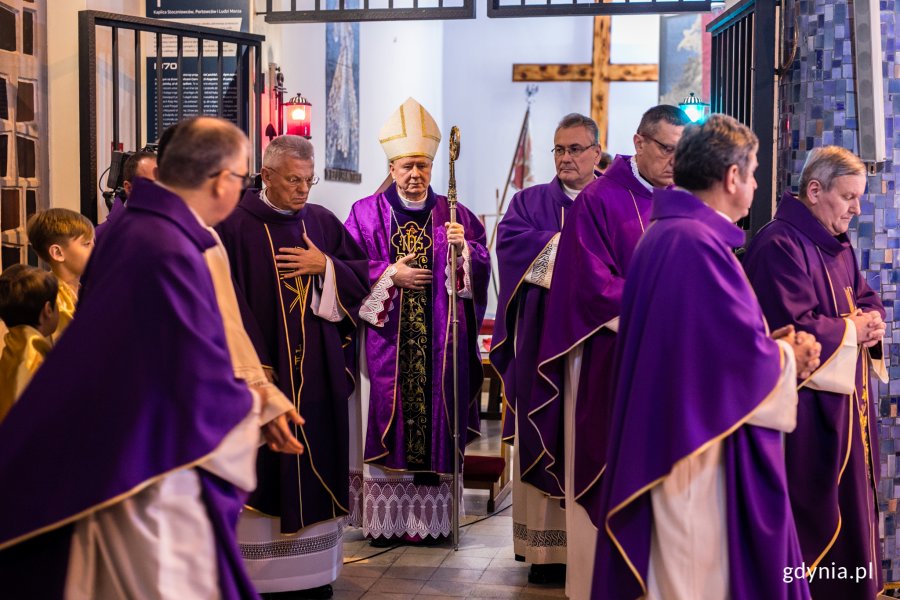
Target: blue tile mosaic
column 818, row 107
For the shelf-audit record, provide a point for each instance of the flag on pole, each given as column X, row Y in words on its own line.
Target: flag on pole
column 522, row 175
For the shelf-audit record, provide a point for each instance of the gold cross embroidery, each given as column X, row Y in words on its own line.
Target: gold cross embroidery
column 300, row 289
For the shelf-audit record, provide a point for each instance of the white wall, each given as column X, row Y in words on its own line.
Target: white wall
column 480, row 96
column 397, row 60
column 62, row 75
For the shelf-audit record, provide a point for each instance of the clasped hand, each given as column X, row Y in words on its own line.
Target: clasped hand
column 870, row 327
column 806, row 349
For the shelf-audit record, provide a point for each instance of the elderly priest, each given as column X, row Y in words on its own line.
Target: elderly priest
column 406, row 388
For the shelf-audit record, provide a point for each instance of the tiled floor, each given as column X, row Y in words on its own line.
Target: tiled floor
column 483, row 567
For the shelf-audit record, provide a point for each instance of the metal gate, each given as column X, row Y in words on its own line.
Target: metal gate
column 243, row 86
column 744, row 43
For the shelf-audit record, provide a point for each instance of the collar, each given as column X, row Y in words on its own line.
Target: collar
column 679, row 203
column 414, row 205
column 152, row 197
column 264, row 196
column 255, row 203
column 637, row 174
column 791, row 210
column 571, row 193
column 397, row 202
column 622, row 173
column 560, row 192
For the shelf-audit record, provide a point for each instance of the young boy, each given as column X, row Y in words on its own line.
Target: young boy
column 28, row 307
column 64, row 239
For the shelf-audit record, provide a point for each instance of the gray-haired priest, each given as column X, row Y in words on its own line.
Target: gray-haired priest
column 300, row 278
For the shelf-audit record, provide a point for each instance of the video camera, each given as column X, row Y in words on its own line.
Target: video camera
column 115, row 180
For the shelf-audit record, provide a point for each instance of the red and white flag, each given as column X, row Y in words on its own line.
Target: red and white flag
column 522, row 175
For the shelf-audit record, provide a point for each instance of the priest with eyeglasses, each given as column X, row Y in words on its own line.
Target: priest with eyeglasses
column 528, row 241
column 299, row 277
column 576, row 352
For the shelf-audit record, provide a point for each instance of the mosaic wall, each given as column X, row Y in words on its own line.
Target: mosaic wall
column 818, row 107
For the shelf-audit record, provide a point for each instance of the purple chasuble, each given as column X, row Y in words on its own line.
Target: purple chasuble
column 535, row 215
column 694, row 362
column 804, row 276
column 310, row 356
column 372, row 225
column 118, row 208
column 598, row 238
column 140, row 386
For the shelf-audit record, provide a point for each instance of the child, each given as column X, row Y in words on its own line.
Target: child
column 64, row 239
column 28, row 307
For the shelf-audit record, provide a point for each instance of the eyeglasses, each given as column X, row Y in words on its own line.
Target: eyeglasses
column 296, row 181
column 574, row 150
column 666, row 149
column 246, row 180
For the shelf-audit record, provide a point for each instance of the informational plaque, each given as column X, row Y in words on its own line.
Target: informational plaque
column 233, row 15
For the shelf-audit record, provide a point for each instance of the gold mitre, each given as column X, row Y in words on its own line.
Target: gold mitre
column 410, row 131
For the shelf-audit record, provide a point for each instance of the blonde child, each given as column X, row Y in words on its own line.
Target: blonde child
column 28, row 307
column 63, row 239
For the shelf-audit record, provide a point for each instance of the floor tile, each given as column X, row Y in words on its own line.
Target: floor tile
column 418, row 573
column 397, row 586
column 545, row 591
column 420, row 560
column 349, row 583
column 477, row 550
column 466, row 562
column 374, row 558
column 508, row 576
column 442, row 550
column 347, row 595
column 362, row 570
column 457, row 589
column 453, row 574
column 505, row 563
column 386, row 596
column 496, row 591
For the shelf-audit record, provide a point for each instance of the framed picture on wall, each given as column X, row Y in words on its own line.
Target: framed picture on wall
column 342, row 99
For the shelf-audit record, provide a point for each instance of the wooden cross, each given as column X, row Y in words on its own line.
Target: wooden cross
column 600, row 72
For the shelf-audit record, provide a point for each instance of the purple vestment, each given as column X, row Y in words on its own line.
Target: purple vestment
column 598, row 238
column 309, row 354
column 141, row 385
column 535, row 215
column 115, row 213
column 804, row 276
column 372, row 225
column 694, row 362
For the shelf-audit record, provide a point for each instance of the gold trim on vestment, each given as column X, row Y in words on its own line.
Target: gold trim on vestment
column 509, row 302
column 396, row 370
column 290, row 357
column 108, row 503
column 850, row 410
column 554, row 397
column 834, row 355
column 700, row 450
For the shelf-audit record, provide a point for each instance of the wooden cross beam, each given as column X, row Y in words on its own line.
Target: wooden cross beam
column 600, row 73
